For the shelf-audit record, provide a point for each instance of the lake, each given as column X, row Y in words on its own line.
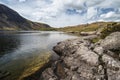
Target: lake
column 24, row 52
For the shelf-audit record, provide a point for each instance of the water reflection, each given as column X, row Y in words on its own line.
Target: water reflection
column 24, row 50
column 8, row 43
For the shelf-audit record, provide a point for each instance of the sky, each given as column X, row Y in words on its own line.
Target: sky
column 60, row 13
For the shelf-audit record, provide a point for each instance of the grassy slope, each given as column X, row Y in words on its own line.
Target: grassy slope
column 90, row 27
column 104, row 27
column 86, row 27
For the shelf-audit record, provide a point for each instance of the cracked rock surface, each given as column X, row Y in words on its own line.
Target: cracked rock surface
column 82, row 60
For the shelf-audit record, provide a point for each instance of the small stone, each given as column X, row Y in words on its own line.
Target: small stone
column 51, row 79
column 100, row 69
column 79, row 70
column 74, row 68
column 99, row 50
column 75, row 77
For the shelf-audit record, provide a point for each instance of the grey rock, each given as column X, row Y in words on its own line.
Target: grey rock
column 48, row 74
column 76, row 77
column 111, row 42
column 74, row 68
column 84, row 60
column 99, row 50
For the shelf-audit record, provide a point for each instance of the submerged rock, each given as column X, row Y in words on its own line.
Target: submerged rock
column 4, row 74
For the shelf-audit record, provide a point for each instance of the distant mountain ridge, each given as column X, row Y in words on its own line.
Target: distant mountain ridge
column 11, row 20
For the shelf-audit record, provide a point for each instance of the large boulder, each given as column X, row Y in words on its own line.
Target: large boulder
column 82, row 60
column 112, row 41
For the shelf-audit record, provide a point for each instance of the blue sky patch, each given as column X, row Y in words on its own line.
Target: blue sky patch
column 106, row 10
column 71, row 11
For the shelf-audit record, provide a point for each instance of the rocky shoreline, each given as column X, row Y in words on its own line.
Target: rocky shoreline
column 80, row 59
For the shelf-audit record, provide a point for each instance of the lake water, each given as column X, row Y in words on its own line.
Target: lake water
column 22, row 53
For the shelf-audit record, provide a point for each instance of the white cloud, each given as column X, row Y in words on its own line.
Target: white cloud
column 108, row 15
column 53, row 12
column 22, row 0
column 91, row 13
column 111, row 16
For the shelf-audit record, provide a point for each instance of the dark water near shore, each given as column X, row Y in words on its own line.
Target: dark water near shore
column 23, row 52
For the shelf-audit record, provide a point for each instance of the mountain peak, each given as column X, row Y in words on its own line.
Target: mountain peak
column 11, row 20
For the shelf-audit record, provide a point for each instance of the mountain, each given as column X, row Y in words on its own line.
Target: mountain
column 11, row 20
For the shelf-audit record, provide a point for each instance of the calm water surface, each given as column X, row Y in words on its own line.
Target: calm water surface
column 23, row 51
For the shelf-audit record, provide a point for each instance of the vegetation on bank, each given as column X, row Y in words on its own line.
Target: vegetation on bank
column 47, row 29
column 79, row 28
column 86, row 27
column 18, row 29
column 109, row 29
column 104, row 28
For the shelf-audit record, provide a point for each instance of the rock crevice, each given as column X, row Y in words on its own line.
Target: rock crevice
column 80, row 59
